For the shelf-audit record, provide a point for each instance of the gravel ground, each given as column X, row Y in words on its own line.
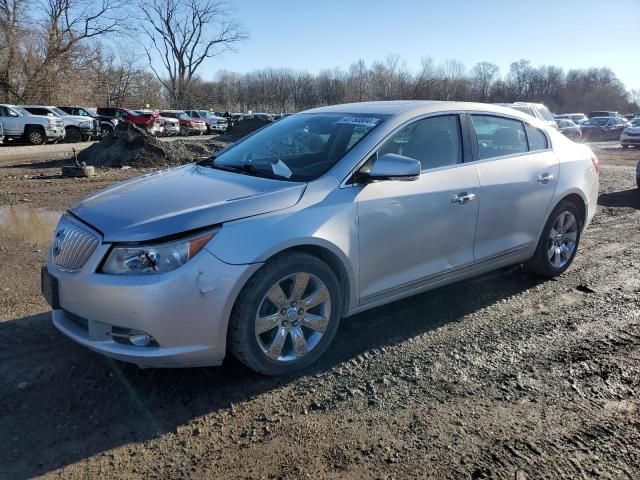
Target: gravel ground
column 503, row 376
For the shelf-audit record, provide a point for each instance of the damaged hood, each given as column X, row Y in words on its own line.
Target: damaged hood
column 182, row 199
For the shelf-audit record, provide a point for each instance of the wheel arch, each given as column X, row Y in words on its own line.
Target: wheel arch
column 579, row 202
column 333, row 261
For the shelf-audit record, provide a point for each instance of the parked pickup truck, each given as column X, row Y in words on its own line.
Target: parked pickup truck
column 104, row 126
column 77, row 129
column 18, row 123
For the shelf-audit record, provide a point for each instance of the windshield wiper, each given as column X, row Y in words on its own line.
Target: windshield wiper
column 246, row 168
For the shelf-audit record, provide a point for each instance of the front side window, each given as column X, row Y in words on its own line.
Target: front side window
column 499, row 136
column 433, row 141
column 537, row 139
column 299, row 148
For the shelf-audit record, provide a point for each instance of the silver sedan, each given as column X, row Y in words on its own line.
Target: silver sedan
column 262, row 249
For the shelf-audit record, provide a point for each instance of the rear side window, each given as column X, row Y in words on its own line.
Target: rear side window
column 38, row 111
column 434, row 142
column 537, row 139
column 499, row 136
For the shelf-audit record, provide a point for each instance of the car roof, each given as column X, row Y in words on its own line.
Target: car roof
column 416, row 107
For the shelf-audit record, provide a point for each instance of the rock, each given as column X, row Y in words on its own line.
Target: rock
column 78, row 171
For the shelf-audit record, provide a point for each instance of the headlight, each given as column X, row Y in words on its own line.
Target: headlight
column 153, row 259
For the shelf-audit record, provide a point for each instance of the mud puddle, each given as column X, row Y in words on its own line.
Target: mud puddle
column 35, row 225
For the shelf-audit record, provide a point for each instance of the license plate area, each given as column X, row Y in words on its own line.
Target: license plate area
column 49, row 285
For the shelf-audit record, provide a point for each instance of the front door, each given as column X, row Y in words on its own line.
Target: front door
column 9, row 120
column 411, row 232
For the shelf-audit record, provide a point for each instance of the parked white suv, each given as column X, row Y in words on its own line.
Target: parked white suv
column 36, row 129
column 76, row 128
column 537, row 110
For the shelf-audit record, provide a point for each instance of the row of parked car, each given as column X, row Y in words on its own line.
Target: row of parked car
column 39, row 124
column 597, row 126
column 601, row 126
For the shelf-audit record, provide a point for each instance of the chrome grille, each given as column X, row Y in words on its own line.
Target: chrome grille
column 72, row 246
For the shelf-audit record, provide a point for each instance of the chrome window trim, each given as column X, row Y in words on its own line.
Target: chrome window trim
column 367, row 156
column 344, row 183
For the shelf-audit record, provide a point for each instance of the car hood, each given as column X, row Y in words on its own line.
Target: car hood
column 75, row 119
column 632, row 130
column 182, row 199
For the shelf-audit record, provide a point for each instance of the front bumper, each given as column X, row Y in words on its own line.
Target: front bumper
column 626, row 139
column 186, row 311
column 218, row 127
column 55, row 133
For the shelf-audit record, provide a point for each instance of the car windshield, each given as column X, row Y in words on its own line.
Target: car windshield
column 206, row 114
column 526, row 110
column 597, row 122
column 182, row 115
column 545, row 113
column 635, row 122
column 298, row 148
column 57, row 111
column 21, row 111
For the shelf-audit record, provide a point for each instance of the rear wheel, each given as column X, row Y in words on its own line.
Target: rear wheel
column 73, row 135
column 286, row 316
column 36, row 136
column 559, row 241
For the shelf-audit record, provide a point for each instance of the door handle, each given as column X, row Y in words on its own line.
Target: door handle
column 463, row 198
column 546, row 178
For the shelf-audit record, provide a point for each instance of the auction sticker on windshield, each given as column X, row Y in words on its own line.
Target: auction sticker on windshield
column 353, row 120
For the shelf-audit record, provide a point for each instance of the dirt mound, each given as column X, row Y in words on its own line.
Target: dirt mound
column 132, row 146
column 245, row 127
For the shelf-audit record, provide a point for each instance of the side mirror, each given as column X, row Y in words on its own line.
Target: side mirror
column 393, row 167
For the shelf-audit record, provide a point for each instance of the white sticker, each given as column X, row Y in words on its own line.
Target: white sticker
column 353, row 120
column 281, row 169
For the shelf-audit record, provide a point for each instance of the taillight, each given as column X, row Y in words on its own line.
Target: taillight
column 596, row 163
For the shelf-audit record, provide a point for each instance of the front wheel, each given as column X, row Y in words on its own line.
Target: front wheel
column 36, row 136
column 559, row 241
column 286, row 316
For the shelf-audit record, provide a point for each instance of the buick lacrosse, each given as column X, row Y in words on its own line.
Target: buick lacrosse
column 261, row 249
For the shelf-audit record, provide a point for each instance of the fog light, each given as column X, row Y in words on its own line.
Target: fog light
column 140, row 339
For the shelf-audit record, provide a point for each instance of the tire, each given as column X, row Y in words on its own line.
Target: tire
column 107, row 131
column 257, row 350
column 638, row 182
column 543, row 263
column 624, row 146
column 73, row 135
column 36, row 136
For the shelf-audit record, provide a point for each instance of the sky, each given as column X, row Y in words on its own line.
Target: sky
column 311, row 36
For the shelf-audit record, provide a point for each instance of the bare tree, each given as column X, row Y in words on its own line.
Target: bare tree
column 183, row 34
column 12, row 16
column 483, row 76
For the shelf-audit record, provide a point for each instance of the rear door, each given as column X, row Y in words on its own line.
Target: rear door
column 517, row 171
column 415, row 231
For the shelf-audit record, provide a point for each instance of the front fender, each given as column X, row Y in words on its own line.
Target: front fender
column 330, row 224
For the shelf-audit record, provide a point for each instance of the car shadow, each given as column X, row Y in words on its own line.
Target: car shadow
column 38, row 165
column 63, row 403
column 625, row 198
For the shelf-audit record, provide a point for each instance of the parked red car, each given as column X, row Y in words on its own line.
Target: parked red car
column 146, row 119
column 188, row 125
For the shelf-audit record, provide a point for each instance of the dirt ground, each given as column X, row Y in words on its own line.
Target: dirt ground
column 503, row 376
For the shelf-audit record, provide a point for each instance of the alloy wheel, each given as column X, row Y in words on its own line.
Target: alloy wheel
column 292, row 317
column 562, row 239
column 36, row 137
